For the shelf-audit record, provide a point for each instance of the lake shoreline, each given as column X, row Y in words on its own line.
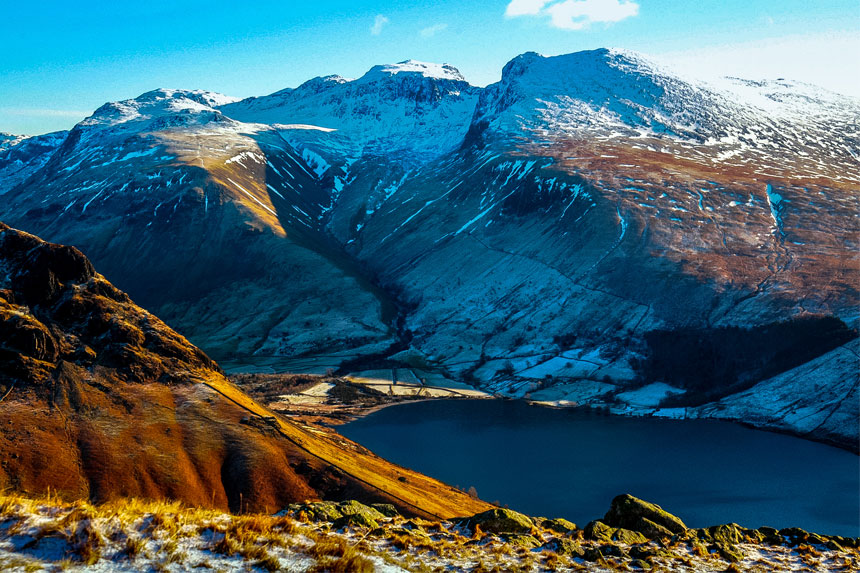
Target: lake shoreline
column 561, row 455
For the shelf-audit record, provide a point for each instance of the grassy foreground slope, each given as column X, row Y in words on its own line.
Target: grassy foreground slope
column 101, row 400
column 131, row 535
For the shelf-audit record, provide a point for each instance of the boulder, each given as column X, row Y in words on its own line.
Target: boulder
column 794, row 535
column 650, row 529
column 599, row 531
column 602, row 551
column 355, row 520
column 771, row 536
column 628, row 536
column 729, row 552
column 386, row 509
column 353, row 507
column 565, row 547
column 730, row 533
column 520, row 540
column 558, row 525
column 628, row 512
column 315, row 511
column 499, row 521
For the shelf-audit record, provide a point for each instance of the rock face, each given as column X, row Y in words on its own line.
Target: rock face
column 562, row 231
column 100, row 399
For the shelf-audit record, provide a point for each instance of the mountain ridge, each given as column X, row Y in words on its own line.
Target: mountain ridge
column 524, row 236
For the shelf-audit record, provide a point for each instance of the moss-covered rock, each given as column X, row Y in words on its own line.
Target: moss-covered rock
column 730, row 533
column 652, row 530
column 628, row 536
column 386, row 509
column 627, row 511
column 398, row 530
column 558, row 525
column 353, row 507
column 332, row 511
column 316, row 511
column 520, row 540
column 599, row 531
column 794, row 535
column 566, row 547
column 771, row 536
column 647, row 552
column 355, row 520
column 498, row 521
column 603, row 551
column 639, row 564
column 729, row 552
column 753, row 536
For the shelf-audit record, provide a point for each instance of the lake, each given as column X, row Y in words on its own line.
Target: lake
column 567, row 463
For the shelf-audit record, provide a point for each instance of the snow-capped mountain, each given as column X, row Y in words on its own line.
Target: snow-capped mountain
column 556, row 233
column 412, row 109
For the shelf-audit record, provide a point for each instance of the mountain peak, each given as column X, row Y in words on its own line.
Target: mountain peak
column 157, row 103
column 585, row 62
column 414, row 68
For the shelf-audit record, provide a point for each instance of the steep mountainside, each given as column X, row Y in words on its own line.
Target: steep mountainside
column 594, row 201
column 588, row 223
column 22, row 156
column 99, row 399
column 211, row 223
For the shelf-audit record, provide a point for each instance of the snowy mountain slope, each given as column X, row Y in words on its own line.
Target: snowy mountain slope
column 8, row 140
column 817, row 399
column 21, row 156
column 413, row 109
column 546, row 231
column 594, row 202
column 211, row 222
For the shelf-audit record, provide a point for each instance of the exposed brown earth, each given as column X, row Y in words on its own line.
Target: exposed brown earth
column 729, row 239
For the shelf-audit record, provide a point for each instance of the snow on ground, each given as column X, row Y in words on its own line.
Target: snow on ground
column 132, row 535
column 650, row 395
column 579, row 392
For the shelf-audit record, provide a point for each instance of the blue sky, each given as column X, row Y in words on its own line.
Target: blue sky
column 61, row 60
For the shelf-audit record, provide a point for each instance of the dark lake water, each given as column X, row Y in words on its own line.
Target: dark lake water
column 563, row 463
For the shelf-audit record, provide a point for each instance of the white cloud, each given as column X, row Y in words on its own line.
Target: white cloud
column 431, row 31
column 574, row 14
column 378, row 24
column 525, row 7
column 44, row 112
column 817, row 58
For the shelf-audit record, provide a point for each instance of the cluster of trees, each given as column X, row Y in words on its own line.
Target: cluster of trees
column 714, row 362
